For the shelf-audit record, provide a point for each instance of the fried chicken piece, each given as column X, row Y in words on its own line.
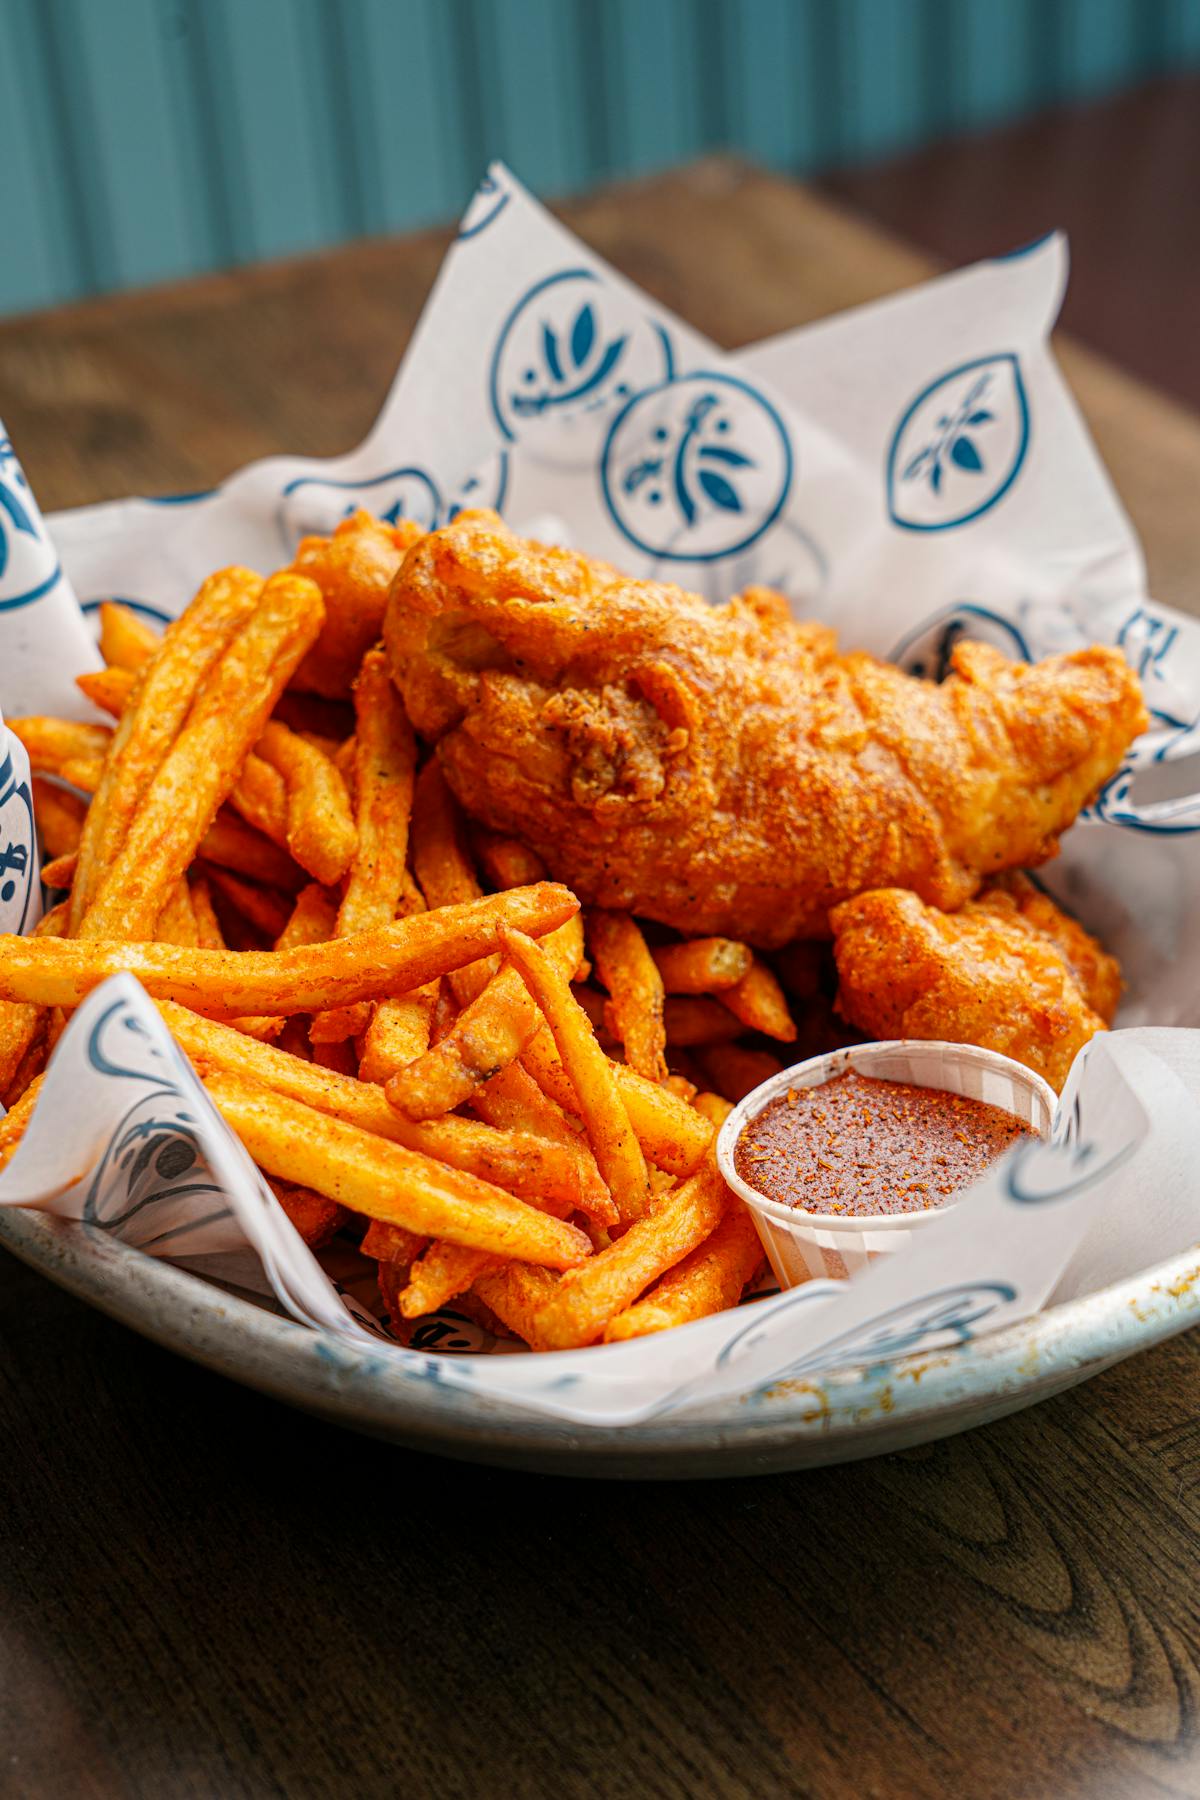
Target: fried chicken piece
column 723, row 769
column 1010, row 972
column 353, row 569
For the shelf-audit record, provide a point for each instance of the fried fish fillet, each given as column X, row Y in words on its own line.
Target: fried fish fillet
column 723, row 769
column 1010, row 972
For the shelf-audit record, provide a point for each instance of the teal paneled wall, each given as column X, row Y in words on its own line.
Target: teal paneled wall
column 144, row 139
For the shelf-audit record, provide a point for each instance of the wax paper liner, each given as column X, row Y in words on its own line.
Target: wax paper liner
column 914, row 472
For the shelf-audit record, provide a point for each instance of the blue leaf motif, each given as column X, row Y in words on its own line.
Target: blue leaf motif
column 550, row 352
column 733, row 459
column 719, row 491
column 16, row 512
column 935, row 478
column 964, row 453
column 583, row 334
column 914, row 468
column 983, row 417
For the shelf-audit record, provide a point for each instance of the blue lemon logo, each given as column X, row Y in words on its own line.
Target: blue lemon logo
column 927, row 649
column 696, row 469
column 28, row 563
column 560, row 354
column 314, row 504
column 18, row 862
column 959, row 446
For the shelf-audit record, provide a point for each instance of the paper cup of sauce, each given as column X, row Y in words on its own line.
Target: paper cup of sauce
column 802, row 1244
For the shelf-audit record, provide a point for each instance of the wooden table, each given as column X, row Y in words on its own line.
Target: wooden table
column 204, row 1594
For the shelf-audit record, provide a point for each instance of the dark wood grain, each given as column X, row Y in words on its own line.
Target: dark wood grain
column 203, row 1594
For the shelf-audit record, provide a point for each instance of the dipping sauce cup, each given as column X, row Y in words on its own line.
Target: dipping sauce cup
column 801, row 1244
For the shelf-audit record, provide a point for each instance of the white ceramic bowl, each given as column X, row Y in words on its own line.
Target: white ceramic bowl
column 801, row 1245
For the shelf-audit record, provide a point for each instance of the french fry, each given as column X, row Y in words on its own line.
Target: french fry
column 384, row 1180
column 16, row 1119
column 695, row 1019
column 59, row 817
column 488, row 1035
column 506, row 861
column 223, row 984
column 208, row 927
column 198, row 770
column 712, row 1277
column 333, row 719
column 532, row 1167
column 385, row 760
column 443, row 867
column 176, row 923
column 398, row 1032
column 52, row 744
column 166, row 687
column 736, row 1071
column 635, row 987
column 703, row 965
column 59, row 872
column 671, row 1134
column 338, row 1058
column 320, row 829
column 33, row 1063
column 232, row 844
column 614, row 1144
column 315, row 1217
column 126, row 641
column 83, row 772
column 517, row 1294
column 391, row 1243
column 108, row 689
column 265, row 908
column 581, row 1304
column 258, row 794
column 439, row 1274
column 21, row 1024
column 759, row 1002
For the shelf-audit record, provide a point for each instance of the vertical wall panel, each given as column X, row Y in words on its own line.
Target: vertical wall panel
column 145, row 138
column 652, row 72
column 533, row 93
column 118, row 53
column 880, row 77
column 36, row 266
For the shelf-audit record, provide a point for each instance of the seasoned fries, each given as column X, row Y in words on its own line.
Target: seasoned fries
column 629, row 972
column 408, row 1063
column 383, row 1180
column 222, row 984
column 614, row 1144
column 201, row 765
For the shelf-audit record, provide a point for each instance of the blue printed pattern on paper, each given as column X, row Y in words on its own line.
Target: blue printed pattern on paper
column 153, row 1156
column 927, row 649
column 18, row 855
column 316, row 505
column 959, row 446
column 696, row 469
column 28, row 562
column 557, row 357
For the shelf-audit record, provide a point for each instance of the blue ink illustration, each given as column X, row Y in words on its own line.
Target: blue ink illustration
column 558, row 355
column 696, row 469
column 18, row 859
column 959, row 446
column 487, row 203
column 29, row 564
column 927, row 650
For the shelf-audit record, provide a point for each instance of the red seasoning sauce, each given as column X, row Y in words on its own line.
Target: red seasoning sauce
column 859, row 1145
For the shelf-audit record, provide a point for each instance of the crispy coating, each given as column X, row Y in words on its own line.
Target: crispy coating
column 724, row 769
column 1010, row 972
column 353, row 569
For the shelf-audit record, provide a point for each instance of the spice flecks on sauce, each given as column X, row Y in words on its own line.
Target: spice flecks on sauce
column 859, row 1145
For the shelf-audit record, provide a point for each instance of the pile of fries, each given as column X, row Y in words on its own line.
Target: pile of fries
column 421, row 1041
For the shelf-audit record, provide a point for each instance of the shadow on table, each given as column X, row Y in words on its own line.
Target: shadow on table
column 203, row 1592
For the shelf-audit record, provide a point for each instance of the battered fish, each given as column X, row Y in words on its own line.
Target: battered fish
column 723, row 769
